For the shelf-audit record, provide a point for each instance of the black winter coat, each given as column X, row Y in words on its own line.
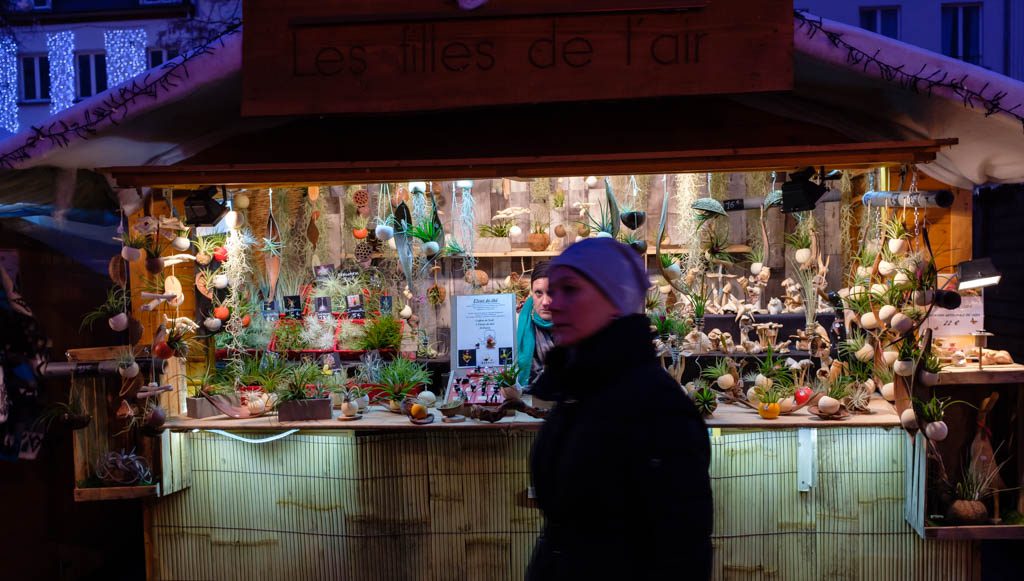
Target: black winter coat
column 620, row 467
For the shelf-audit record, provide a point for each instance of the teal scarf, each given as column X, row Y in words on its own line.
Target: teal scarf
column 526, row 339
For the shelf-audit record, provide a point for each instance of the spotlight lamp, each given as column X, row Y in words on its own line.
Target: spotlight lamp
column 800, row 193
column 202, row 210
column 977, row 273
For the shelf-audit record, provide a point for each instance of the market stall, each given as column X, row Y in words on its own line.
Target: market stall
column 288, row 293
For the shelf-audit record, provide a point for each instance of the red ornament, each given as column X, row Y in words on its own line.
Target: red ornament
column 162, row 350
column 220, row 254
column 246, row 320
column 221, row 313
column 802, row 395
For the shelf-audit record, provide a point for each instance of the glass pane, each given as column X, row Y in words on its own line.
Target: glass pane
column 950, row 31
column 890, row 22
column 28, row 73
column 869, row 19
column 156, row 58
column 44, row 77
column 172, row 53
column 84, row 76
column 101, row 73
column 972, row 34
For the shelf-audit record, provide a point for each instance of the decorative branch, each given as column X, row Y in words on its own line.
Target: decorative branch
column 918, row 82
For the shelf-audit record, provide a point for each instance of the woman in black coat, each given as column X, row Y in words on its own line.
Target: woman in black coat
column 620, row 467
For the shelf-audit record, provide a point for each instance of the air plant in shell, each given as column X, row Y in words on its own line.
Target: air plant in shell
column 127, row 366
column 634, row 241
column 601, row 224
column 857, row 346
column 205, row 245
column 133, row 246
column 670, row 265
column 114, row 309
column 906, row 363
column 756, row 257
column 426, row 232
column 834, row 394
column 800, row 242
column 932, row 412
column 358, row 224
column 931, row 365
column 705, row 209
column 720, row 374
column 896, row 232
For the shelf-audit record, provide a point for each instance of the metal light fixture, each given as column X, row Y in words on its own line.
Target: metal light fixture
column 800, row 194
column 202, row 210
column 977, row 273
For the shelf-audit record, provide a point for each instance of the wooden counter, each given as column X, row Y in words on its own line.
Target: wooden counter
column 378, row 418
column 971, row 375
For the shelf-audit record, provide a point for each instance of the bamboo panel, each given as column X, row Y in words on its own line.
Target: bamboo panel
column 444, row 505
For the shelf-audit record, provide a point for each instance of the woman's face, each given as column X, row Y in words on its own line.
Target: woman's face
column 541, row 298
column 578, row 308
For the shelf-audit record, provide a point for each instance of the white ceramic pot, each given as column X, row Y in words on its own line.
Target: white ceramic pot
column 929, row 378
column 903, row 367
column 220, row 281
column 802, row 256
column 828, row 405
column 908, row 419
column 890, row 357
column 118, row 322
column 936, row 431
column 901, row 323
column 889, row 392
column 898, row 246
column 129, row 371
column 886, row 268
column 383, row 232
column 406, row 312
column 349, row 409
column 726, row 381
column 181, row 243
column 131, row 254
column 865, row 354
column 515, row 232
column 886, row 312
column 673, row 271
column 755, row 268
column 869, row 321
column 863, row 272
column 426, row 398
column 901, row 279
column 431, row 248
column 878, row 289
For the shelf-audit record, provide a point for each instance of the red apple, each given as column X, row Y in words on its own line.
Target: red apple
column 802, row 395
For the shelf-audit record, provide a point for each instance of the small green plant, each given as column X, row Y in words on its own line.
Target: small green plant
column 706, row 400
column 667, row 325
column 934, row 409
column 667, row 260
column 716, row 248
column 558, row 199
column 756, row 254
column 499, row 229
column 838, row 389
column 426, row 231
column 507, row 377
column 288, row 336
column 853, row 343
column 453, row 248
column 776, row 370
column 798, row 239
column 400, row 376
column 601, row 223
column 978, row 478
column 909, row 349
column 383, row 332
column 895, row 229
column 931, row 362
column 358, row 222
column 713, row 372
column 699, row 300
column 117, row 302
column 859, row 303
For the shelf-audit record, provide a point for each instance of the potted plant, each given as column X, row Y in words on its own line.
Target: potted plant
column 906, row 362
column 288, row 336
column 800, row 242
column 212, row 385
column 756, row 257
column 768, row 401
column 603, row 225
column 302, row 395
column 632, row 218
column 831, row 402
column 538, row 240
column 114, row 309
column 398, row 380
column 931, row 365
column 976, row 484
column 427, row 232
column 884, row 377
column 450, row 408
column 205, row 246
column 359, row 227
column 382, row 333
column 634, row 241
column 173, row 344
column 896, row 232
column 721, row 373
column 705, row 399
column 670, row 266
column 507, row 381
column 127, row 367
column 858, row 347
column 933, row 412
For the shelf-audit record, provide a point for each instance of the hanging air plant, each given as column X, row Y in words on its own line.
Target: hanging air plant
column 707, row 209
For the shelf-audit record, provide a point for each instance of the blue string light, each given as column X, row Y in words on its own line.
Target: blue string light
column 8, row 84
column 61, row 47
column 126, row 54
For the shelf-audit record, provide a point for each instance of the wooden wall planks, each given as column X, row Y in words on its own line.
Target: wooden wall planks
column 446, row 506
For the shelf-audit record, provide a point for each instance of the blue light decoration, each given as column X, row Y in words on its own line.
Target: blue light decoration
column 126, row 54
column 61, row 52
column 8, row 84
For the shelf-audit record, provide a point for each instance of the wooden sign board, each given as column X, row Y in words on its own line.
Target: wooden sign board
column 307, row 57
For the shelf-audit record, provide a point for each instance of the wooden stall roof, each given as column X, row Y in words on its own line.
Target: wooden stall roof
column 377, row 418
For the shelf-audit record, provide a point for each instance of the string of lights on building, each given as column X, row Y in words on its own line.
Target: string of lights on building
column 8, row 84
column 126, row 54
column 61, row 52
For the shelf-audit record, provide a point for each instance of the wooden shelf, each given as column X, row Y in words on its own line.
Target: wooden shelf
column 975, row 532
column 525, row 253
column 971, row 375
column 116, row 493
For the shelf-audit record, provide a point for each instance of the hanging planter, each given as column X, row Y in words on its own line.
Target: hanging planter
column 901, row 323
column 212, row 324
column 904, row 367
column 633, row 219
column 886, row 312
column 118, row 322
column 131, row 254
column 181, row 243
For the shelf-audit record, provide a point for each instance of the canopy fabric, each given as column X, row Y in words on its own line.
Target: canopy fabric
column 860, row 98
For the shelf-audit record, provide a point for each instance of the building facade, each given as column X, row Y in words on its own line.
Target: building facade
column 987, row 33
column 54, row 53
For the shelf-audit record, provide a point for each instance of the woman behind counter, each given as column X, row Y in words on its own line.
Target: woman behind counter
column 533, row 332
column 620, row 466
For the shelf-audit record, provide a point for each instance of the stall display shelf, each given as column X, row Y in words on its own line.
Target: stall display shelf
column 91, row 494
column 525, row 253
column 971, row 375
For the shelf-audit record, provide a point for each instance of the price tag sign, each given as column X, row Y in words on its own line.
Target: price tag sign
column 970, row 317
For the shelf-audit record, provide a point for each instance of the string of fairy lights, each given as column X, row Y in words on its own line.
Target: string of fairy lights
column 125, row 58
